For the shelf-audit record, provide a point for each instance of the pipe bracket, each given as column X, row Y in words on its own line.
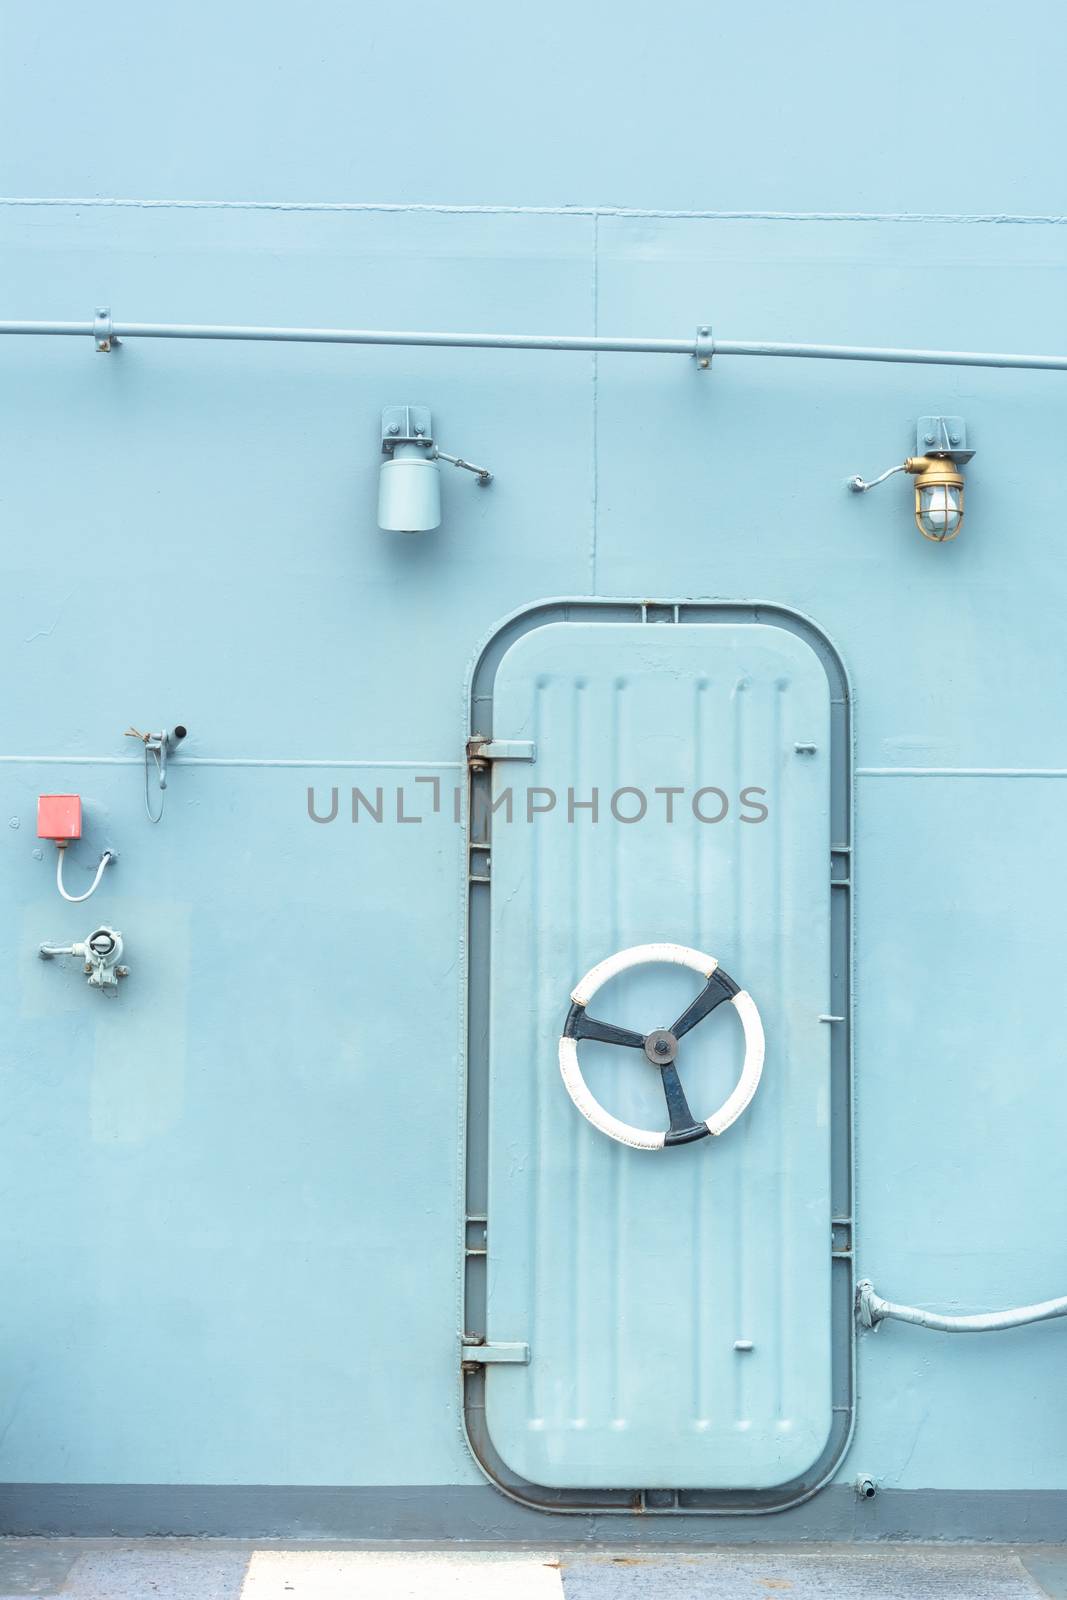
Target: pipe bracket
column 704, row 348
column 103, row 337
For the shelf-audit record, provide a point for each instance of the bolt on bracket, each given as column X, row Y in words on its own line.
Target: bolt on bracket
column 406, row 425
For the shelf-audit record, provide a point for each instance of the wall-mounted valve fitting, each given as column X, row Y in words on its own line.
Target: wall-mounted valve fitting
column 101, row 953
column 409, row 483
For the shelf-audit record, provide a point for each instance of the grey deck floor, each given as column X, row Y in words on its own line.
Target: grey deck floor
column 176, row 1569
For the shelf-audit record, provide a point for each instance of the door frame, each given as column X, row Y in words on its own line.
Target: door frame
column 474, row 1130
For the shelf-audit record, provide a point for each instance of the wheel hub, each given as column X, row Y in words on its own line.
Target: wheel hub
column 661, row 1047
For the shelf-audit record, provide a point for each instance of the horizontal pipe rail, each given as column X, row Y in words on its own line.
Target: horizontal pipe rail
column 872, row 1310
column 701, row 347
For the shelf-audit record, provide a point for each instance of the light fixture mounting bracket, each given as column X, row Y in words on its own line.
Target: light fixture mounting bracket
column 406, row 425
column 945, row 437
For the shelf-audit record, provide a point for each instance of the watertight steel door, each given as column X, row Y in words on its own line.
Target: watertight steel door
column 676, row 1301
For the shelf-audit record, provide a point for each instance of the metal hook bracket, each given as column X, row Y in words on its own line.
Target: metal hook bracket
column 157, row 746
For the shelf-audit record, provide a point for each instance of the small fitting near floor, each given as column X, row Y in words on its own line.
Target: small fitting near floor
column 866, row 1487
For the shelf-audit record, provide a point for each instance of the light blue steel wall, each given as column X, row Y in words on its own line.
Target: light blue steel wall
column 221, row 1262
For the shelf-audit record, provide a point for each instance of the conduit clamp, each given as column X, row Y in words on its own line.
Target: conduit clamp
column 103, row 337
column 704, row 348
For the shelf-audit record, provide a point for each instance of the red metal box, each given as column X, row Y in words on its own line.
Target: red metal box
column 59, row 816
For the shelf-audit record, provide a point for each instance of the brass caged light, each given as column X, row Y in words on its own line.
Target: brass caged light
column 941, row 444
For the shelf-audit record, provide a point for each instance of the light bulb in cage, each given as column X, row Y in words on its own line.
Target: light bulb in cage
column 938, row 496
column 941, row 452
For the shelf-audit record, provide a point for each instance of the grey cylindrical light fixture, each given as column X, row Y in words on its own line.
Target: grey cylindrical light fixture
column 409, row 480
column 409, row 491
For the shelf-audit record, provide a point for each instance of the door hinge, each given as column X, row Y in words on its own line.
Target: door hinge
column 480, row 750
column 494, row 1351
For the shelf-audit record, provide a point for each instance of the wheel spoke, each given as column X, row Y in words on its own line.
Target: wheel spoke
column 719, row 987
column 581, row 1026
column 682, row 1119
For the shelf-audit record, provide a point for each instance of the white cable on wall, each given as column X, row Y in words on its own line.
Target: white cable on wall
column 872, row 1310
column 75, row 899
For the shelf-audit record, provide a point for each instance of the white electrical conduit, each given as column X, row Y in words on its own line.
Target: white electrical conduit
column 872, row 1310
column 75, row 899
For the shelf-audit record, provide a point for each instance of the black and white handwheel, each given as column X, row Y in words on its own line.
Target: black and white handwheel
column 661, row 1047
